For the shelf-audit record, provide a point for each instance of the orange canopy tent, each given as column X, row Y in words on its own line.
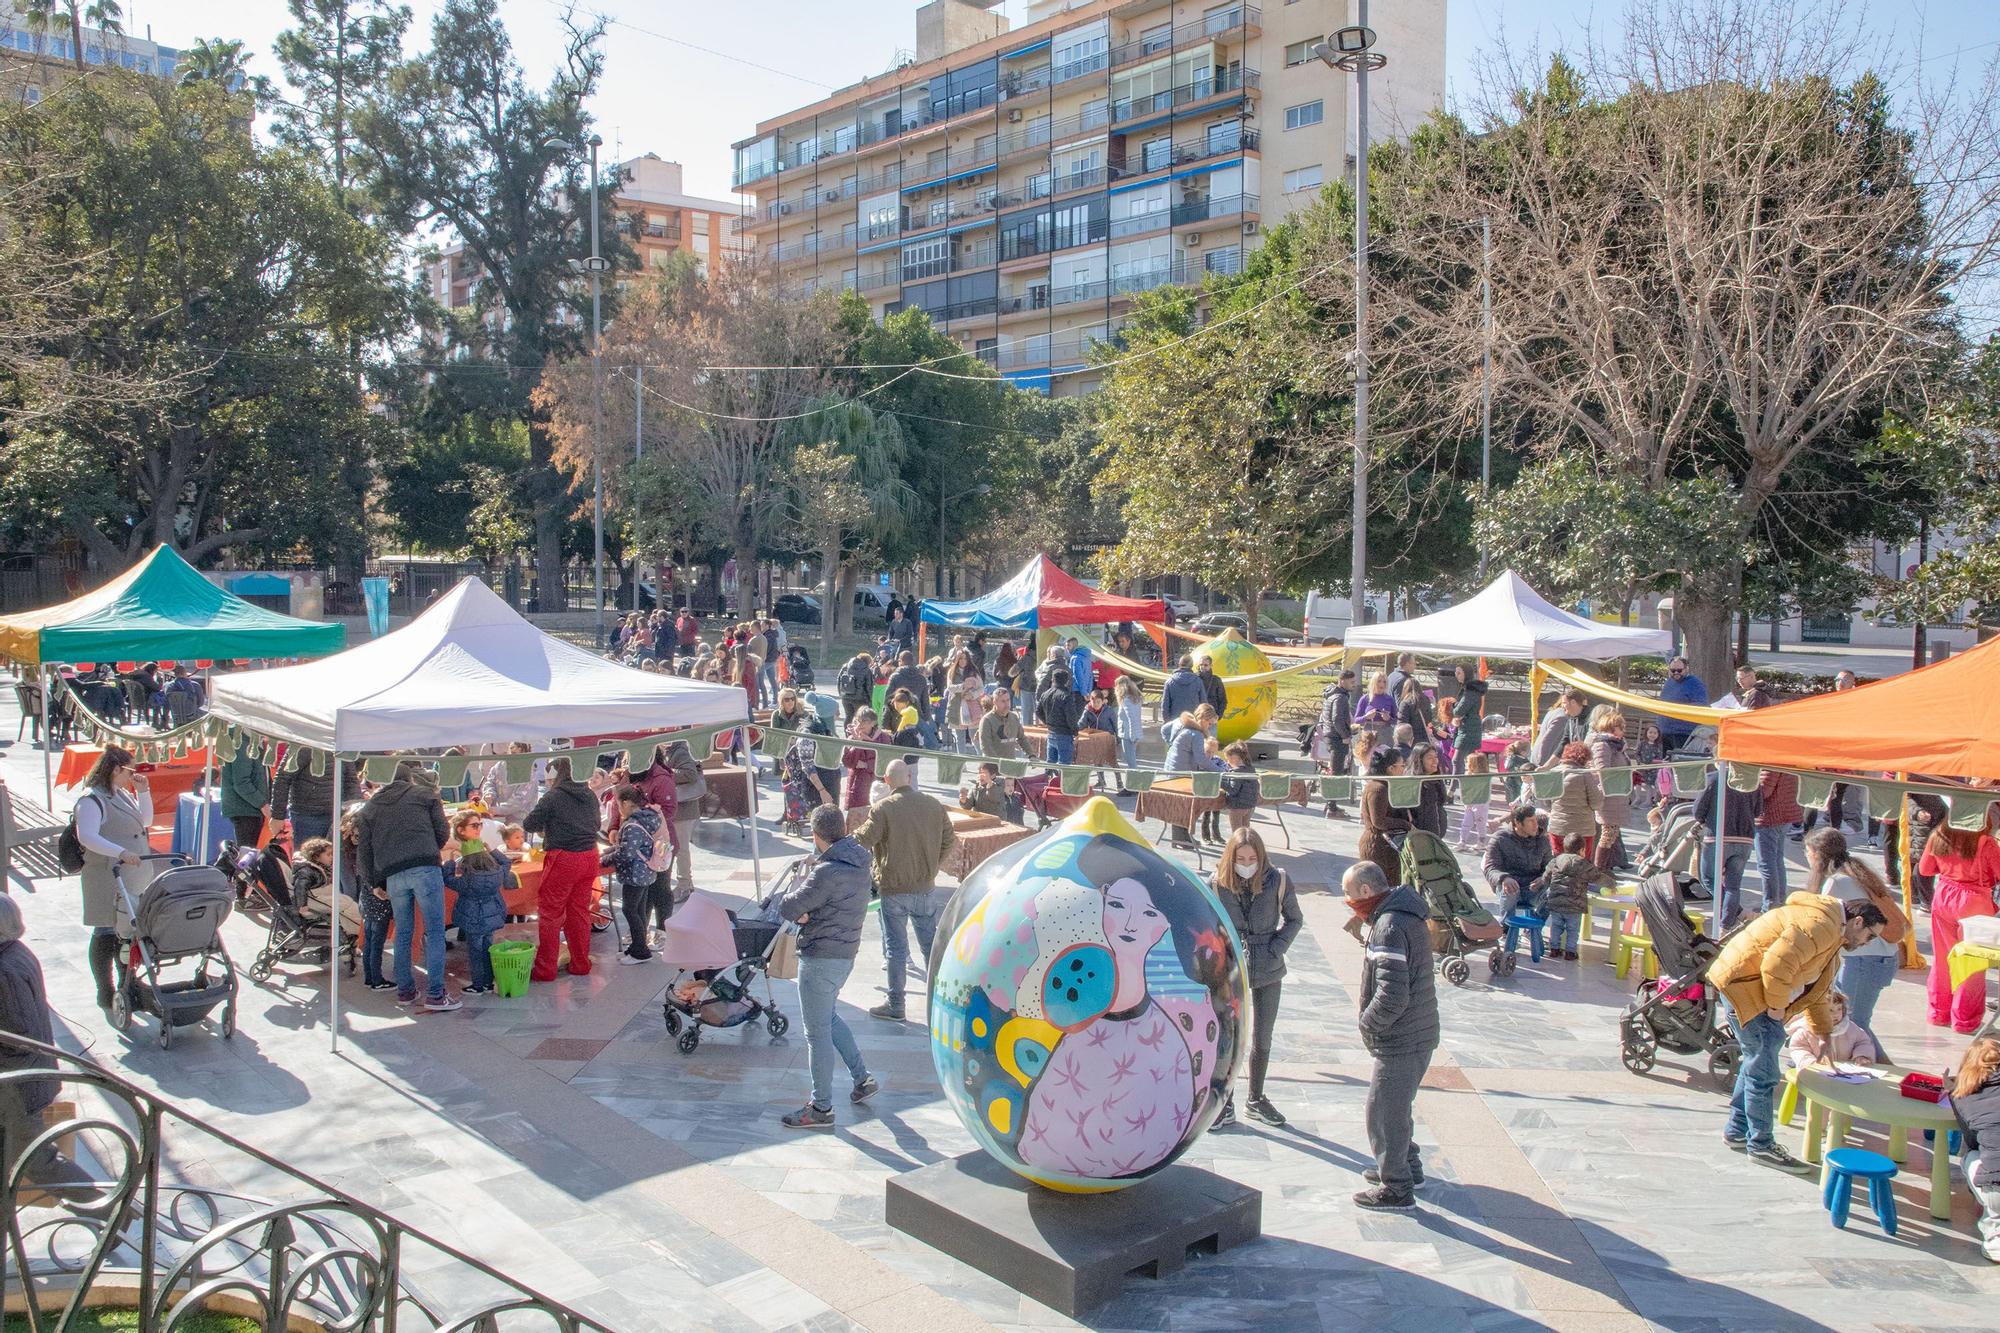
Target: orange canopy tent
column 1941, row 720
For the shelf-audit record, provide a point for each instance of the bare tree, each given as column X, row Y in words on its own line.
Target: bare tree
column 1714, row 249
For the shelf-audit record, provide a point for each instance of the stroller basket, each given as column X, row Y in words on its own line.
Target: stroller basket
column 753, row 938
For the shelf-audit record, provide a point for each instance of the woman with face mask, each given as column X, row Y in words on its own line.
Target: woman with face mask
column 1265, row 911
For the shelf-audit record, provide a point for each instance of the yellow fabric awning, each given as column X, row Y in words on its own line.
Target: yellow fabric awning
column 1699, row 714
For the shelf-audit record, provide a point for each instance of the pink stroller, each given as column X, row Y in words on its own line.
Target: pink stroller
column 718, row 958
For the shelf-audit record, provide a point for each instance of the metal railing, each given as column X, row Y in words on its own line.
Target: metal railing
column 1236, row 139
column 1210, row 27
column 134, row 1238
column 1183, row 214
column 1196, row 90
column 1173, row 272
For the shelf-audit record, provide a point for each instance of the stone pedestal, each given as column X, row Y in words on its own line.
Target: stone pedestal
column 1070, row 1251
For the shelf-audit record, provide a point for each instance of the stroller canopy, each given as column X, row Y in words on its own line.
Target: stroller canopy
column 698, row 935
column 1662, row 900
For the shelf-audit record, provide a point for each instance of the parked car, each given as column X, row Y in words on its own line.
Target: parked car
column 1268, row 630
column 797, row 608
column 1183, row 609
column 1328, row 619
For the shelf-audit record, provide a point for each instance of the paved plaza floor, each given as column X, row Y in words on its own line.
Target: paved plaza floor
column 564, row 1138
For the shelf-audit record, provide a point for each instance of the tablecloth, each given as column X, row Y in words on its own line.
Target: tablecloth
column 1099, row 749
column 728, row 791
column 78, row 759
column 1172, row 801
column 978, row 838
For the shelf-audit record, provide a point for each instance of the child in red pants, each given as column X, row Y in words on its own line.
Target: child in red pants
column 1967, row 865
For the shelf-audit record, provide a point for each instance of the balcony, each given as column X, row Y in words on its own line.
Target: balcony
column 942, row 164
column 1230, row 25
column 1187, row 94
column 1034, row 136
column 1183, row 214
column 1181, row 152
column 1172, row 273
column 960, row 261
column 1030, row 353
column 1049, row 239
column 940, row 214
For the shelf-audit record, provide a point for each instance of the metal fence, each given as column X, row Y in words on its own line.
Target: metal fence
column 124, row 1235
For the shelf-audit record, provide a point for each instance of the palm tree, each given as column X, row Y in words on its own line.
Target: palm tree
column 218, row 59
column 43, row 17
column 847, row 495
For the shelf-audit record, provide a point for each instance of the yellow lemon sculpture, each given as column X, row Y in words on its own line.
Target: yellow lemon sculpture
column 1250, row 706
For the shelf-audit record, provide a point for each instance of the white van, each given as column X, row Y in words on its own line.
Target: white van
column 871, row 604
column 1331, row 617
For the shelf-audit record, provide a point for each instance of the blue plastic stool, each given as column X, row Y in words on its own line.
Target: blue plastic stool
column 1520, row 922
column 1844, row 1166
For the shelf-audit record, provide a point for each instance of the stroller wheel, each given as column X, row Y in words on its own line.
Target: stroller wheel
column 673, row 1022
column 1500, row 963
column 1639, row 1054
column 260, row 970
column 1722, row 1066
column 778, row 1024
column 1457, row 971
column 166, row 1034
column 229, row 1021
column 689, row 1040
column 121, row 1008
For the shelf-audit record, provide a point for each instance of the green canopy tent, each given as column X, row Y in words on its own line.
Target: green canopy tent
column 161, row 609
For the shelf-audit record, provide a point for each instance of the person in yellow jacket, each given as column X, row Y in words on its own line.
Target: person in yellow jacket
column 1781, row 964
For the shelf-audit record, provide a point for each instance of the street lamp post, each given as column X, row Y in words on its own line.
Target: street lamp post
column 595, row 266
column 937, row 574
column 1350, row 49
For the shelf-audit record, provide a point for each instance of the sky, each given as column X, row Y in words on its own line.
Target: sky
column 687, row 78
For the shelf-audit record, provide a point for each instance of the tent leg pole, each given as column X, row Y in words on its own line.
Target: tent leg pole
column 1715, row 892
column 339, row 844
column 48, row 740
column 201, row 812
column 750, row 781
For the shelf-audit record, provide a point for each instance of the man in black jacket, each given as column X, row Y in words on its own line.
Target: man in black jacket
column 1335, row 730
column 1399, row 1026
column 829, row 905
column 856, row 683
column 1516, row 856
column 1060, row 709
column 304, row 799
column 399, row 838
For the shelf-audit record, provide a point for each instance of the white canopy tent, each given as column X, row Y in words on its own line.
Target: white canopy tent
column 1508, row 619
column 468, row 671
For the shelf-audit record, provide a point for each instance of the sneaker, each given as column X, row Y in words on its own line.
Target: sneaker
column 1264, row 1113
column 1771, row 1154
column 443, row 1004
column 477, row 990
column 632, row 960
column 1383, row 1199
column 1226, row 1117
column 890, row 1010
column 1570, row 955
column 809, row 1117
column 865, row 1089
column 1374, row 1177
column 406, row 997
column 381, row 985
column 1734, row 1144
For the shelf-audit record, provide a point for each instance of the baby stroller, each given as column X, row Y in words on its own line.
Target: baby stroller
column 1680, row 1010
column 299, row 930
column 718, row 957
column 1458, row 924
column 799, row 667
column 175, row 918
column 1032, row 791
column 1675, row 845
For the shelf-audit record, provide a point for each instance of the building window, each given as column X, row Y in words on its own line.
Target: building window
column 1298, row 53
column 1305, row 178
column 1229, row 259
column 1304, row 114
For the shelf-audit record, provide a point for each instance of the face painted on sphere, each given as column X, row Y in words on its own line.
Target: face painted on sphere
column 1132, row 926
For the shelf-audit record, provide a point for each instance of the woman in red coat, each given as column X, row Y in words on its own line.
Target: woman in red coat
column 859, row 761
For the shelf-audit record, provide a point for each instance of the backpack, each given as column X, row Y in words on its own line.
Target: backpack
column 661, row 854
column 856, row 680
column 69, row 847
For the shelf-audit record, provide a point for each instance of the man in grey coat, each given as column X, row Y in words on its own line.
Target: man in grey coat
column 829, row 905
column 1399, row 1026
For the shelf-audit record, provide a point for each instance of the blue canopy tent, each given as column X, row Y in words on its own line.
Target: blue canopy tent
column 1041, row 596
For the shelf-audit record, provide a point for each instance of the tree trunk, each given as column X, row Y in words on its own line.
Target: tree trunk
column 1743, row 636
column 850, row 577
column 1253, row 600
column 550, row 497
column 1705, row 628
column 829, row 578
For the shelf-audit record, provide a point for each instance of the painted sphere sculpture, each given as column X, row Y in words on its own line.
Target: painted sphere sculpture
column 1250, row 706
column 1087, row 1005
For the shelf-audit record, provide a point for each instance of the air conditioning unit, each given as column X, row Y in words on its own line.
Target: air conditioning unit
column 1191, row 239
column 783, row 209
column 1250, row 229
column 1014, row 116
column 831, row 196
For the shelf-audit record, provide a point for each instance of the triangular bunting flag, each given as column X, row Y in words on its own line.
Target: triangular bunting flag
column 1744, row 777
column 1689, row 779
column 1814, row 790
column 1274, row 786
column 1336, row 789
column 1206, row 786
column 1473, row 788
column 1617, row 781
column 951, row 769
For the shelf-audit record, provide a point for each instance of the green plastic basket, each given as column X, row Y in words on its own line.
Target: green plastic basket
column 512, row 961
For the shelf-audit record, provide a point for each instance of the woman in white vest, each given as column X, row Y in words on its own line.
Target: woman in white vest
column 112, row 816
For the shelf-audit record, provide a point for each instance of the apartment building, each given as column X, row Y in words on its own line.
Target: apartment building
column 33, row 63
column 652, row 212
column 1023, row 186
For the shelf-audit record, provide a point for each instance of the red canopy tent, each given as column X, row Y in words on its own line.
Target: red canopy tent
column 1042, row 596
